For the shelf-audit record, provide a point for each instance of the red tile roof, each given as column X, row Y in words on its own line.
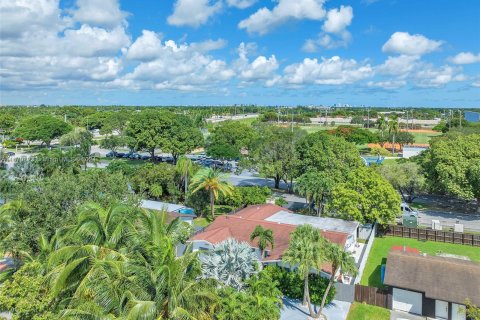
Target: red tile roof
column 240, row 225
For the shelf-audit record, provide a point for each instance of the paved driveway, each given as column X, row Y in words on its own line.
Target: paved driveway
column 293, row 310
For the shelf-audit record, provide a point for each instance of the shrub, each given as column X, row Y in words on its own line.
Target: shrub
column 291, row 284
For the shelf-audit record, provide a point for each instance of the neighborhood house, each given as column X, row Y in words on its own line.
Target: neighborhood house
column 282, row 222
column 432, row 286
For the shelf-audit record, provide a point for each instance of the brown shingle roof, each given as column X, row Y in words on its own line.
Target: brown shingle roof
column 242, row 224
column 441, row 278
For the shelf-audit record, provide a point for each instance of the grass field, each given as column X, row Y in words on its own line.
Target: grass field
column 420, row 137
column 360, row 311
column 381, row 247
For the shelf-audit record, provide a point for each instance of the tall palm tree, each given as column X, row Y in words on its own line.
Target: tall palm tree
column 212, row 181
column 393, row 128
column 141, row 279
column 185, row 169
column 104, row 227
column 162, row 286
column 305, row 252
column 341, row 260
column 265, row 238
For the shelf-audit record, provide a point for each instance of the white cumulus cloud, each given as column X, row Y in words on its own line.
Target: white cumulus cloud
column 338, row 19
column 264, row 20
column 193, row 13
column 105, row 13
column 241, row 4
column 335, row 33
column 466, row 58
column 405, row 43
column 331, row 71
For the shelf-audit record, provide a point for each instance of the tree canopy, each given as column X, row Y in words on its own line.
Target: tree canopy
column 43, row 128
column 365, row 196
column 452, row 165
column 323, row 152
column 229, row 138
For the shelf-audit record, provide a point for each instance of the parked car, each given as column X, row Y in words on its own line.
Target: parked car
column 144, row 157
column 111, row 154
column 11, row 154
column 168, row 159
column 119, row 154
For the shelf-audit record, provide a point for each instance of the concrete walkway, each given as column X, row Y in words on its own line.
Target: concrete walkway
column 399, row 315
column 293, row 310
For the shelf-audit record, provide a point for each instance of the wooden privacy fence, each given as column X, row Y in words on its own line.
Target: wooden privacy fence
column 434, row 235
column 373, row 296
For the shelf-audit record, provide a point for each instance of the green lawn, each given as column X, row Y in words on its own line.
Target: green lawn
column 200, row 222
column 421, row 137
column 360, row 311
column 381, row 247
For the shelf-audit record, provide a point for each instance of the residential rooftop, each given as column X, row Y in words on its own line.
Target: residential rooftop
column 440, row 278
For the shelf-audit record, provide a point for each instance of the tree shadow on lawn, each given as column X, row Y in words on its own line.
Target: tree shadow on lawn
column 375, row 278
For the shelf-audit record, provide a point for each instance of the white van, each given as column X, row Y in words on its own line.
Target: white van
column 407, row 210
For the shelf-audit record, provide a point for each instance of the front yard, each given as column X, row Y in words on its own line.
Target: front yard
column 361, row 311
column 381, row 247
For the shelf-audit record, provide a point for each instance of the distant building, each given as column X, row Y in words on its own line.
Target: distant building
column 472, row 116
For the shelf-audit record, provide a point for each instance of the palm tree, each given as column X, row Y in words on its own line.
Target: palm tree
column 104, row 227
column 230, row 262
column 108, row 278
column 305, row 252
column 265, row 238
column 393, row 128
column 341, row 260
column 185, row 169
column 161, row 286
column 212, row 181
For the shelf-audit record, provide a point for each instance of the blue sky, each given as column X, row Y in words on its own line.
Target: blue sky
column 283, row 52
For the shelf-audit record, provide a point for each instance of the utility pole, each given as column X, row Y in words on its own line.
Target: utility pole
column 368, row 117
column 292, row 120
column 407, row 119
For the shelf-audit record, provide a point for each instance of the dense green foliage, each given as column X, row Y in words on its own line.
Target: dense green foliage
column 405, row 177
column 323, row 152
column 273, row 154
column 291, row 284
column 43, row 206
column 354, row 134
column 156, row 181
column 229, row 138
column 26, row 294
column 365, row 197
column 166, row 131
column 43, row 128
column 452, row 165
column 244, row 196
